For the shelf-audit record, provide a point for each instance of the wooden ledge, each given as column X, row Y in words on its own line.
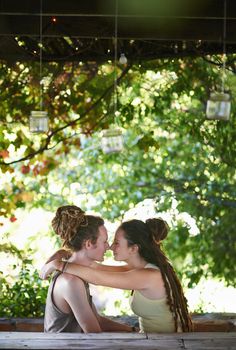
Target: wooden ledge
column 117, row 341
column 202, row 323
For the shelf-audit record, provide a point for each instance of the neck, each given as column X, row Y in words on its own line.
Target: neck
column 81, row 258
column 136, row 262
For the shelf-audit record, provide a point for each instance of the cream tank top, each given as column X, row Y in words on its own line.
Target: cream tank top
column 154, row 314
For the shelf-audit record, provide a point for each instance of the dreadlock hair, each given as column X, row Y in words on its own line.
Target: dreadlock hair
column 74, row 227
column 148, row 236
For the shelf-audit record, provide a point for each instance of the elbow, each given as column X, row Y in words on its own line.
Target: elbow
column 92, row 331
column 96, row 329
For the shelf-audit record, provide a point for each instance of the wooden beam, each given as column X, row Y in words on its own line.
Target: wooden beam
column 117, row 341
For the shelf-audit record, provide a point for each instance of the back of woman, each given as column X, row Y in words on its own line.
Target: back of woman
column 55, row 320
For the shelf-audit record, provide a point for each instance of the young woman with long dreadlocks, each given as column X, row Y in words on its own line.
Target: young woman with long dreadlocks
column 157, row 295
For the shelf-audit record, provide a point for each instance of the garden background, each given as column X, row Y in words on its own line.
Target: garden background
column 175, row 164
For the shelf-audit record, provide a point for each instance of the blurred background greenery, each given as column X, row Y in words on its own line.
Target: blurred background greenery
column 173, row 157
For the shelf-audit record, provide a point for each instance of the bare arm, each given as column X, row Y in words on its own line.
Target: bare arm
column 114, row 268
column 59, row 254
column 56, row 264
column 87, row 317
column 108, row 325
column 138, row 279
column 75, row 295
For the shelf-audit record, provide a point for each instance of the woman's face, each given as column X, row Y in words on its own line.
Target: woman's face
column 120, row 248
column 101, row 245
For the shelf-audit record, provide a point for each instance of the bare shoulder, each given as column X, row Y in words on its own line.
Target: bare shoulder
column 70, row 293
column 152, row 271
column 69, row 281
column 144, row 273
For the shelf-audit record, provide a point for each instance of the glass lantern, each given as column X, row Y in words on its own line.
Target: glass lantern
column 218, row 106
column 38, row 122
column 123, row 59
column 112, row 141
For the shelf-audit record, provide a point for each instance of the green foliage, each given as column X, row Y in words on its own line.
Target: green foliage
column 172, row 153
column 24, row 294
column 26, row 297
column 12, row 249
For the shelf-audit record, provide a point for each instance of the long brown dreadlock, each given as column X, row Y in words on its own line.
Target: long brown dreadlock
column 148, row 237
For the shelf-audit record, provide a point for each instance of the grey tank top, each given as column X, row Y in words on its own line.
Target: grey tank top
column 56, row 321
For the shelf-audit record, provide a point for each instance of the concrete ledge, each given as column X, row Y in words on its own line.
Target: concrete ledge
column 202, row 323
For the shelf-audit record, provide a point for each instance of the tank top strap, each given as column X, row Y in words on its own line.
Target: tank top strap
column 152, row 266
column 54, row 279
column 89, row 296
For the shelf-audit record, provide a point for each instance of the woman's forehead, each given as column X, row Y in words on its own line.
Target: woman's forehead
column 119, row 233
column 102, row 232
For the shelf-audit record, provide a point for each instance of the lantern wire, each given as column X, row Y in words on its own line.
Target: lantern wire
column 224, row 48
column 115, row 59
column 41, row 53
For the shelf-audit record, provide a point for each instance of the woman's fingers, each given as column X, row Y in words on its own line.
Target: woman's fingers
column 45, row 271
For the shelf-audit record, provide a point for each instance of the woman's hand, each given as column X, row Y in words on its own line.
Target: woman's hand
column 50, row 267
column 59, row 254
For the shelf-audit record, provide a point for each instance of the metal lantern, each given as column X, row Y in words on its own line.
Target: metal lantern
column 112, row 140
column 218, row 106
column 38, row 122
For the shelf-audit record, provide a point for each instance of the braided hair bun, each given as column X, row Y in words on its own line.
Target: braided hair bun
column 158, row 228
column 67, row 220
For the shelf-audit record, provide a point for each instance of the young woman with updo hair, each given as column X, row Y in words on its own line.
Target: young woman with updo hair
column 157, row 295
column 69, row 307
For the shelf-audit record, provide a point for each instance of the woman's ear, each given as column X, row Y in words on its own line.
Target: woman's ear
column 88, row 244
column 134, row 249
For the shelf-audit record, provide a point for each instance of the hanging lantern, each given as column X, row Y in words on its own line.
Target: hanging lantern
column 218, row 106
column 38, row 122
column 123, row 59
column 112, row 140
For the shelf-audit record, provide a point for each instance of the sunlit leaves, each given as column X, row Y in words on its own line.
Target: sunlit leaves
column 171, row 150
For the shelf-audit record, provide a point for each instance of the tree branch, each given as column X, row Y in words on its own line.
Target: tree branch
column 45, row 147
